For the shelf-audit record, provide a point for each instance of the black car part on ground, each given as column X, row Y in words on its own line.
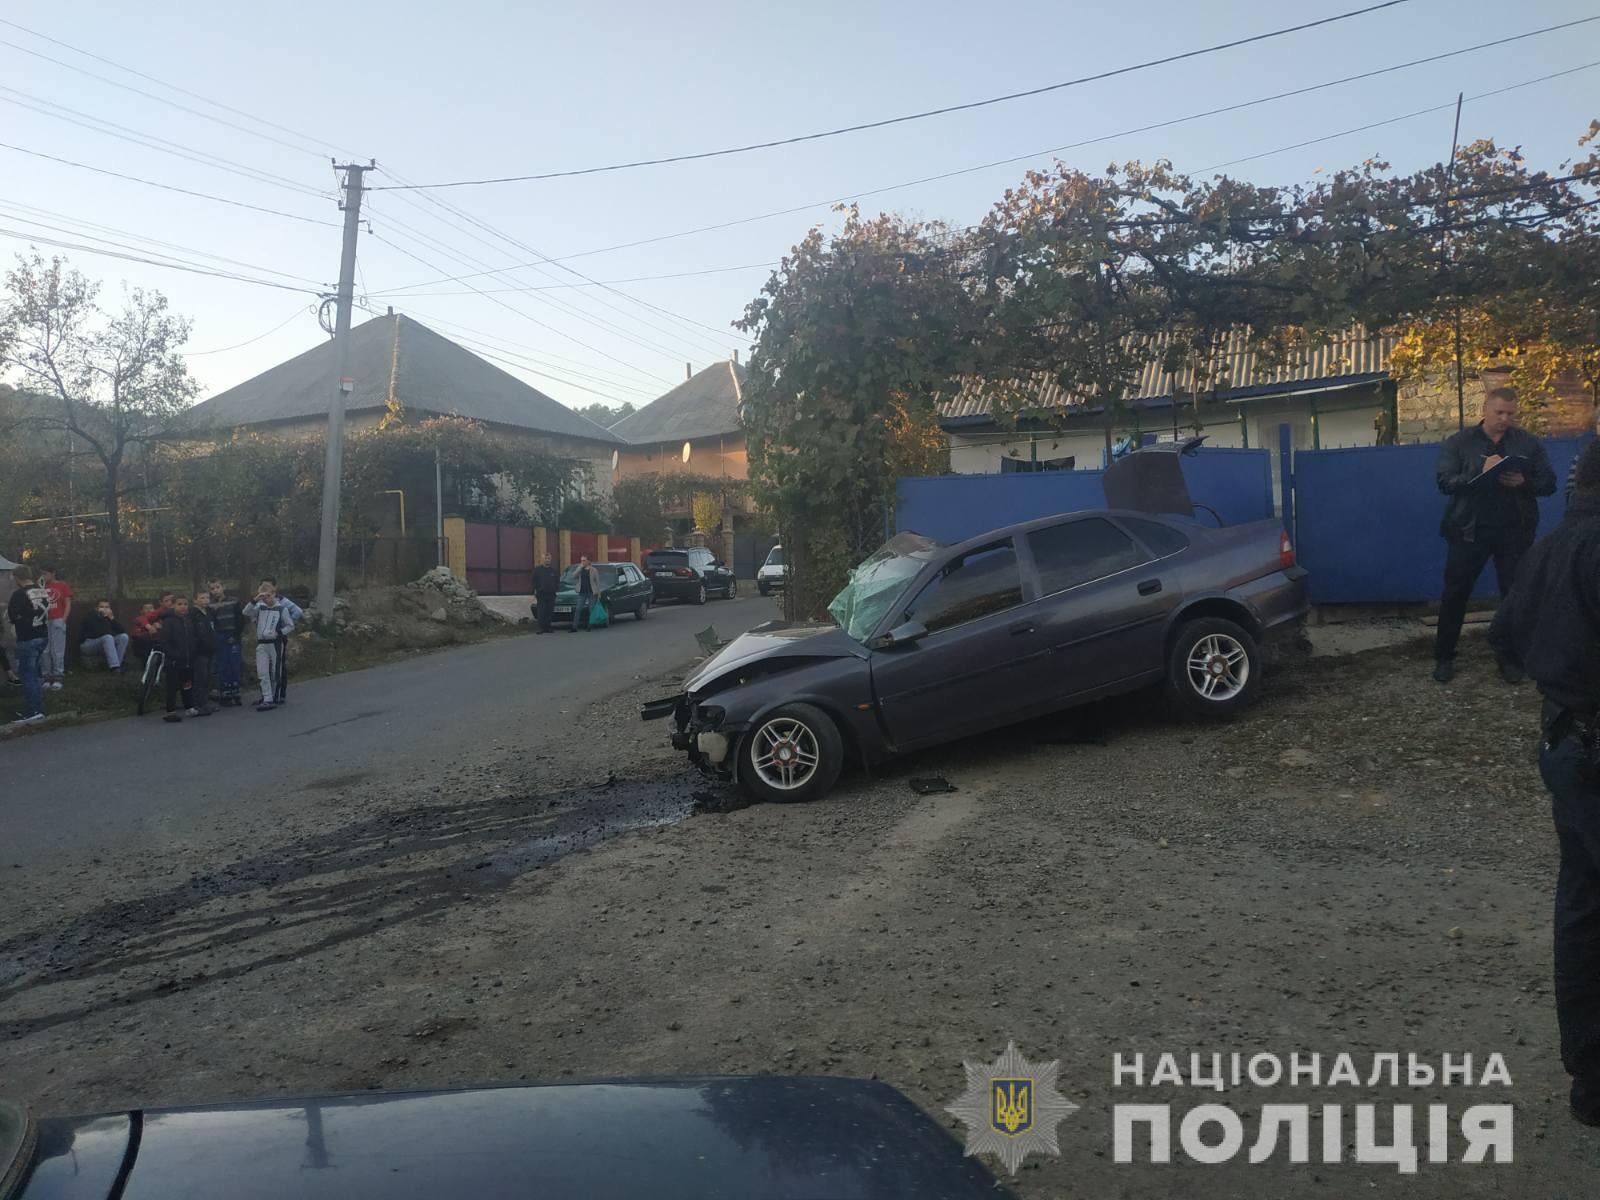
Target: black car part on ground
column 767, row 1137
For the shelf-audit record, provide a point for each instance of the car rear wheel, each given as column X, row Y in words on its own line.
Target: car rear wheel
column 642, row 611
column 793, row 754
column 1214, row 668
column 700, row 594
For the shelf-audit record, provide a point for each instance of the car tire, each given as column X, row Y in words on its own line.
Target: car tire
column 642, row 611
column 733, row 590
column 1214, row 668
column 806, row 731
column 700, row 594
column 763, row 589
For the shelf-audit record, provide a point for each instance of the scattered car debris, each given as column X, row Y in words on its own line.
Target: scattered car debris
column 932, row 786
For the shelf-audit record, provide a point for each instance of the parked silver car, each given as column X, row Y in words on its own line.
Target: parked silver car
column 934, row 642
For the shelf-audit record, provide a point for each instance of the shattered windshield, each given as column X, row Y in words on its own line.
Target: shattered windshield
column 879, row 581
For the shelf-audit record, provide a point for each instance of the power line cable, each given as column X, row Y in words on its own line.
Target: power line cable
column 239, row 112
column 552, row 287
column 917, row 116
column 799, row 208
column 149, row 141
column 138, row 237
column 129, row 257
column 302, row 311
column 1421, row 112
column 527, row 316
column 128, row 87
column 455, row 211
column 168, row 187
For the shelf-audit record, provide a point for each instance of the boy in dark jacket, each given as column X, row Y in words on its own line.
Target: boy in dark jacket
column 227, row 617
column 205, row 650
column 182, row 641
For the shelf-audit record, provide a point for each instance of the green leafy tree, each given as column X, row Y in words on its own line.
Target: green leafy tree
column 116, row 382
column 607, row 415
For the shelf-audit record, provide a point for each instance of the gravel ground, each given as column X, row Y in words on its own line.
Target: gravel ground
column 1363, row 863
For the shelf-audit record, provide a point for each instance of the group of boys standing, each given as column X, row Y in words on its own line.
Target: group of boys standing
column 200, row 641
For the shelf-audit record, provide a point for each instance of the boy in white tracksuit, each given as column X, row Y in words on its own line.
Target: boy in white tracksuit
column 274, row 622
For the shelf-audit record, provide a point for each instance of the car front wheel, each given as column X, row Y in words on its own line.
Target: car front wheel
column 764, row 589
column 793, row 754
column 1214, row 668
column 733, row 588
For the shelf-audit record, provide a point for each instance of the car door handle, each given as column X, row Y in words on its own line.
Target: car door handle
column 1021, row 630
column 1149, row 587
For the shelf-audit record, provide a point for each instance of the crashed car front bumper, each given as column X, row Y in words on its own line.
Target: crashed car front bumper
column 698, row 731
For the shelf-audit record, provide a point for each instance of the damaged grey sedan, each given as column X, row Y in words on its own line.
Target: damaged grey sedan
column 931, row 643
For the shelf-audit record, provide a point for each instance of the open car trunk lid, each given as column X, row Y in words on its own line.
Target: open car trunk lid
column 1150, row 480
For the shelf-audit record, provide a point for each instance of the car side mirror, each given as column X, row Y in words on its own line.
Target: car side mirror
column 903, row 634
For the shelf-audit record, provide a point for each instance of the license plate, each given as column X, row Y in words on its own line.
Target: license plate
column 664, row 574
column 563, row 612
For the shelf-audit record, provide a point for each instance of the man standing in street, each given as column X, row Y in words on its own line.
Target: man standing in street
column 28, row 610
column 227, row 618
column 545, row 582
column 588, row 584
column 1487, row 516
column 1550, row 626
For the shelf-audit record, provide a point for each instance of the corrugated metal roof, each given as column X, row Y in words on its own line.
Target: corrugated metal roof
column 704, row 405
column 1240, row 368
column 394, row 358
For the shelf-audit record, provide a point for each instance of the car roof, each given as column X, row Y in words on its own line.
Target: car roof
column 1184, row 524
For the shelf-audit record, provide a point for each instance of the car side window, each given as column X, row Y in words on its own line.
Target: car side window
column 1079, row 552
column 982, row 581
column 1162, row 539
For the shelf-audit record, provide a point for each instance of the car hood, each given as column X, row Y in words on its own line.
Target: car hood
column 777, row 639
column 761, row 1138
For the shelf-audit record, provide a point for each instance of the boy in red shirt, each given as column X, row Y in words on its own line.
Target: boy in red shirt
column 55, row 659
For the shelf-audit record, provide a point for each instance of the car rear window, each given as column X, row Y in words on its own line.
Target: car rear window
column 1078, row 552
column 1162, row 539
column 666, row 558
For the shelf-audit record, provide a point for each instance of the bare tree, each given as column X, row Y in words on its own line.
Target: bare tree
column 116, row 381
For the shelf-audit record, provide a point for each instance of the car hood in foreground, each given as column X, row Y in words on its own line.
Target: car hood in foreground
column 777, row 639
column 762, row 1138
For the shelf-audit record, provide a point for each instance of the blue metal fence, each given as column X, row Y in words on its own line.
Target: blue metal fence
column 948, row 508
column 1367, row 521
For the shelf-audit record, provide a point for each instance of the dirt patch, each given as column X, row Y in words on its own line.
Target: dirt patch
column 1362, row 864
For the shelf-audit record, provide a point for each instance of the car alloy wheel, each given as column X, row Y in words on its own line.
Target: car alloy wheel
column 700, row 595
column 733, row 588
column 785, row 754
column 1219, row 667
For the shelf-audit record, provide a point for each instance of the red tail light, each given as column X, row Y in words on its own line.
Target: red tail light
column 1285, row 550
column 684, row 571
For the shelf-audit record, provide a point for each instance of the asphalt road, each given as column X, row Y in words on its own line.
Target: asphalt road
column 67, row 794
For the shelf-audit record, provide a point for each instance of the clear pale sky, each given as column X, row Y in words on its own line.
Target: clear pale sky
column 491, row 88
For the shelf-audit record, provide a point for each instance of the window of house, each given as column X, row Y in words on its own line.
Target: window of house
column 1078, row 552
column 980, row 582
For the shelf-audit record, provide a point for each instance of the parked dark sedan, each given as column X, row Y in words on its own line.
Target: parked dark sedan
column 623, row 589
column 934, row 642
column 768, row 1137
column 693, row 574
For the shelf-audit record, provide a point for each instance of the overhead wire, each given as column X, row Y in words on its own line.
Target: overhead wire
column 154, row 262
column 1164, row 124
column 150, row 141
column 916, row 116
column 301, row 311
column 554, row 287
column 191, row 251
column 168, row 187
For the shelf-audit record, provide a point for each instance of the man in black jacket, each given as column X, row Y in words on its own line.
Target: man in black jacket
column 545, row 584
column 1487, row 517
column 1550, row 625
